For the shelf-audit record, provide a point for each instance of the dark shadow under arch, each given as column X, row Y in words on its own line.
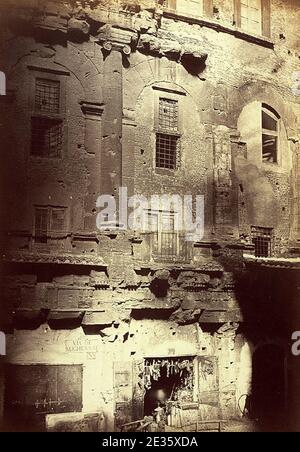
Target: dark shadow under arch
column 269, row 385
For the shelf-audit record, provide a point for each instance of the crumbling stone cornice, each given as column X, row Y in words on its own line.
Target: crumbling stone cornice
column 41, row 258
column 123, row 31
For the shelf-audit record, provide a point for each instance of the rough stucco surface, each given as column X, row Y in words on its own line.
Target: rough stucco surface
column 109, row 99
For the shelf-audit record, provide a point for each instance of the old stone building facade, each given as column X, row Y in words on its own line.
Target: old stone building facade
column 170, row 97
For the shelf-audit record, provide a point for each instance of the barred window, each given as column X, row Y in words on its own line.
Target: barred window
column 46, row 137
column 49, row 220
column 167, row 138
column 41, row 225
column 166, row 150
column 47, row 96
column 47, row 120
column 168, row 115
column 262, row 239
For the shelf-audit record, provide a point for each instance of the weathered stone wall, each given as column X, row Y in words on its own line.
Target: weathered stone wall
column 146, row 338
column 113, row 64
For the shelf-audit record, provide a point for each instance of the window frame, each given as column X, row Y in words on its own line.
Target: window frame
column 159, row 130
column 260, row 232
column 276, row 117
column 58, row 117
column 172, row 137
column 172, row 5
column 50, row 231
column 160, row 215
column 265, row 18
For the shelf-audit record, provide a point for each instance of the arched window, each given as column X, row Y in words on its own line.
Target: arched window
column 270, row 134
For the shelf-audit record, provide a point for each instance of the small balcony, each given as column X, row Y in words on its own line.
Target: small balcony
column 169, row 247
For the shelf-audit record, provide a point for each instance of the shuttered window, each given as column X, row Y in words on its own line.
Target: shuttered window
column 49, row 220
column 33, row 391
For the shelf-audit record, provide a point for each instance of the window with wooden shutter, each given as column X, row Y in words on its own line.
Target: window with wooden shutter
column 32, row 391
column 49, row 220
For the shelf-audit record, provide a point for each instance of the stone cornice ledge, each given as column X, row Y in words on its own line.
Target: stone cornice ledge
column 58, row 259
column 237, row 32
column 274, row 262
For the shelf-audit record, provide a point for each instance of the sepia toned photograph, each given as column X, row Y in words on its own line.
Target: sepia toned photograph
column 150, row 218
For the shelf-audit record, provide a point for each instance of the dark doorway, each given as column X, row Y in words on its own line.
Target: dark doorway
column 161, row 390
column 268, row 385
column 168, row 387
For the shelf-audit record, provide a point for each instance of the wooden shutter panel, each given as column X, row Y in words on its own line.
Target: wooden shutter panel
column 123, row 393
column 32, row 391
column 138, row 390
column 69, row 388
column 266, row 18
column 208, row 384
column 208, row 9
column 237, row 13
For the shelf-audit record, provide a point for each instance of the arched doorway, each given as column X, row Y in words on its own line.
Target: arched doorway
column 269, row 384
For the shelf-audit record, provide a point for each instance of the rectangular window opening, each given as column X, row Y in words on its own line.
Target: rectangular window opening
column 46, row 137
column 166, row 151
column 49, row 220
column 262, row 239
column 47, row 96
column 251, row 16
column 269, row 148
column 41, row 225
column 168, row 115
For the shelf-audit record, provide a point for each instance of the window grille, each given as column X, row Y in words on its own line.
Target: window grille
column 262, row 239
column 166, row 150
column 46, row 137
column 168, row 115
column 47, row 96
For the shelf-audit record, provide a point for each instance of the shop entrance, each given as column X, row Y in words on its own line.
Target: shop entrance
column 169, row 382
